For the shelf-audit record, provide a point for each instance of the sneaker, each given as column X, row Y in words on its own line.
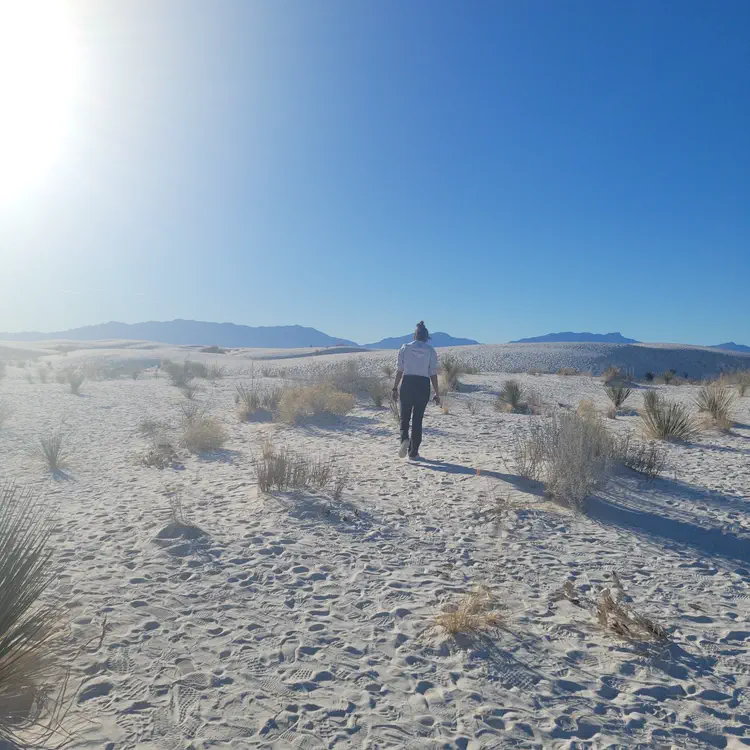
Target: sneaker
column 415, row 457
column 404, row 448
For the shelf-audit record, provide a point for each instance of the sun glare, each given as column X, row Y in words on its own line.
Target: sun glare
column 39, row 70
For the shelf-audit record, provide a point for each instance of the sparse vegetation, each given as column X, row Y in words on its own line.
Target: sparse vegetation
column 472, row 405
column 42, row 374
column 568, row 371
column 451, row 369
column 51, row 450
column 617, row 617
column 28, row 628
column 306, row 401
column 150, row 426
column 668, row 376
column 190, row 391
column 395, row 409
column 667, row 420
column 202, row 433
column 161, row 454
column 617, row 392
column 388, row 370
column 647, row 458
column 511, row 397
column 474, row 613
column 612, row 374
column 717, row 401
column 213, row 350
column 180, row 376
column 570, row 453
column 282, row 469
column 74, row 379
column 378, row 392
column 650, row 376
column 256, row 405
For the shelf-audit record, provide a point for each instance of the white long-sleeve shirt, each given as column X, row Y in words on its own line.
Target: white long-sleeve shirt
column 418, row 358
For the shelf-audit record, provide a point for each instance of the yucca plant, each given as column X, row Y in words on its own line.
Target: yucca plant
column 30, row 705
column 617, row 392
column 716, row 400
column 667, row 420
column 75, row 379
column 512, row 394
column 51, row 451
column 452, row 368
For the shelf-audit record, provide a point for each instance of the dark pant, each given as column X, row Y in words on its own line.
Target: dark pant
column 415, row 395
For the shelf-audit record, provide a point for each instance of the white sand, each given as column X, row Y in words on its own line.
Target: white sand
column 300, row 622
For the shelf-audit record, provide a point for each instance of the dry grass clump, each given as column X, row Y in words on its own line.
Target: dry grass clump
column 306, row 401
column 202, row 433
column 586, row 409
column 150, row 426
column 472, row 404
column 74, row 378
column 254, row 404
column 161, row 454
column 190, row 391
column 476, row 612
column 570, row 453
column 216, row 372
column 617, row 617
column 667, row 420
column 388, row 370
column 347, row 377
column 617, row 392
column 378, row 391
column 52, row 452
column 28, row 629
column 647, row 458
column 180, row 376
column 282, row 470
column 717, row 401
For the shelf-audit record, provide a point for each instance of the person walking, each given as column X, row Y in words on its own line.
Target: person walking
column 417, row 368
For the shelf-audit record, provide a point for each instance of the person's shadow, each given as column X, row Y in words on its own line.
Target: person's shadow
column 521, row 483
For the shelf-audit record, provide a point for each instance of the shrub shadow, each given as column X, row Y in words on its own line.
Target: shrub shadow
column 522, row 483
column 223, row 456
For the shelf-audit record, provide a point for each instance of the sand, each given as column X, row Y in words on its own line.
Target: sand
column 299, row 621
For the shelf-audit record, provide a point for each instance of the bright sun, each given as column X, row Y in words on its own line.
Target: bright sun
column 39, row 72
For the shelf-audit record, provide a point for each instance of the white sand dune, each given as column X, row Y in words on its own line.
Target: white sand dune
column 298, row 621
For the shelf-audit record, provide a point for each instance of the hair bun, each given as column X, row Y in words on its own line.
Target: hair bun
column 421, row 324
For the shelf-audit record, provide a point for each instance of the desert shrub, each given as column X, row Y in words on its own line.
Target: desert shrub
column 254, row 404
column 51, row 451
column 216, row 372
column 569, row 453
column 42, row 374
column 28, row 628
column 202, row 433
column 650, row 376
column 282, row 469
column 511, row 395
column 668, row 376
column 378, row 391
column 451, row 368
column 190, row 391
column 716, row 400
column 180, row 376
column 306, row 401
column 3, row 370
column 647, row 458
column 60, row 377
column 651, row 400
column 612, row 374
column 472, row 405
column 568, row 371
column 213, row 350
column 586, row 409
column 161, row 454
column 388, row 370
column 74, row 379
column 618, row 617
column 617, row 392
column 197, row 369
column 347, row 377
column 667, row 420
column 473, row 613
column 135, row 373
column 534, row 402
column 5, row 412
column 150, row 426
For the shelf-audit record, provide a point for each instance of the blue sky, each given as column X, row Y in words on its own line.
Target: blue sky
column 499, row 169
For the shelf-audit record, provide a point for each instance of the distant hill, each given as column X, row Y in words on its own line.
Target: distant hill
column 438, row 339
column 585, row 337
column 730, row 346
column 187, row 332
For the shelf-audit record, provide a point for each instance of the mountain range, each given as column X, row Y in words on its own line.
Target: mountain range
column 201, row 333
column 730, row 346
column 609, row 338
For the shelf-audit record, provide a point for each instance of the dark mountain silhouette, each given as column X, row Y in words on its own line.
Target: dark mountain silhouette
column 438, row 339
column 730, row 346
column 608, row 338
column 193, row 332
